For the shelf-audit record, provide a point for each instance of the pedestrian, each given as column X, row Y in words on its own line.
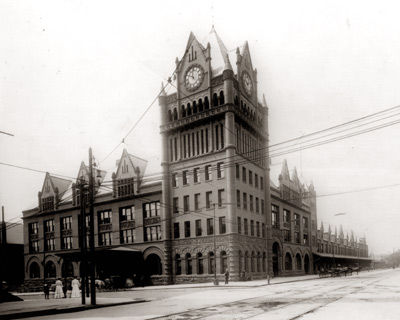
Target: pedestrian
column 65, row 289
column 75, row 289
column 226, row 276
column 59, row 293
column 46, row 291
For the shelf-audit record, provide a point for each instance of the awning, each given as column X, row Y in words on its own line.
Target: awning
column 329, row 255
column 123, row 249
column 76, row 255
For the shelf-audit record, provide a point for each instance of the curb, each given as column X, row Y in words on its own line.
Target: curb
column 61, row 310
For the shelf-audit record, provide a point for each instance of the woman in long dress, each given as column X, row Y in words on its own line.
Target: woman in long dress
column 58, row 294
column 75, row 289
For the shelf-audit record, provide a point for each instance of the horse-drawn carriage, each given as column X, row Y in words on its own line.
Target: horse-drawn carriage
column 338, row 271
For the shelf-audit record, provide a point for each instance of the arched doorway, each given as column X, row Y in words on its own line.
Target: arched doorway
column 50, row 270
column 288, row 262
column 34, row 271
column 275, row 259
column 67, row 269
column 153, row 264
column 306, row 264
column 298, row 262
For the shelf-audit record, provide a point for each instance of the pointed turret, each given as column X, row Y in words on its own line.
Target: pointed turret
column 162, row 91
column 228, row 66
column 264, row 102
column 162, row 101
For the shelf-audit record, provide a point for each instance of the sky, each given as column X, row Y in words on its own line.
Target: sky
column 80, row 74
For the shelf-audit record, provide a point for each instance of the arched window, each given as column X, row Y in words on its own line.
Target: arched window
column 298, row 262
column 264, row 262
column 67, row 269
column 288, row 261
column 169, row 115
column 153, row 264
column 211, row 262
column 178, row 263
column 189, row 110
column 240, row 261
column 188, row 264
column 221, row 98
column 50, row 270
column 194, row 107
column 175, row 114
column 183, row 111
column 246, row 261
column 253, row 258
column 201, row 105
column 200, row 265
column 215, row 100
column 224, row 262
column 206, row 103
column 236, row 101
column 34, row 271
column 258, row 262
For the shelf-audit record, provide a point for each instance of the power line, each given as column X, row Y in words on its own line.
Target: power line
column 244, row 161
column 9, row 134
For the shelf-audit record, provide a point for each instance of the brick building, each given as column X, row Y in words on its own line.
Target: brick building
column 213, row 208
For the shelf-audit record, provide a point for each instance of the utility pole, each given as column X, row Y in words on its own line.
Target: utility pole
column 91, row 239
column 83, row 239
column 2, row 252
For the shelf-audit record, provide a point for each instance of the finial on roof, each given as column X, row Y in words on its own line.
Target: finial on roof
column 228, row 65
column 264, row 102
column 162, row 92
column 212, row 29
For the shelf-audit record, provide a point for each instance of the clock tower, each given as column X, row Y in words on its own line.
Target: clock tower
column 215, row 164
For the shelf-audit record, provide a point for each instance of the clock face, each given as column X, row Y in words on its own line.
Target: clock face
column 247, row 83
column 193, row 78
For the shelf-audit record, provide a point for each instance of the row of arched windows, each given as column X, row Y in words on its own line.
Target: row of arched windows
column 196, row 107
column 187, row 262
column 202, row 105
column 50, row 270
column 248, row 111
column 289, row 262
column 253, row 262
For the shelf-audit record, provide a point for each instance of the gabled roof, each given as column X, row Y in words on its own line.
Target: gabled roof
column 135, row 162
column 55, row 183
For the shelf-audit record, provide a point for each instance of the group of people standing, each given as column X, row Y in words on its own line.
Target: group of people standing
column 61, row 290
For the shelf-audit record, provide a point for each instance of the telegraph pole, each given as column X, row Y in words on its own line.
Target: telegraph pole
column 83, row 239
column 91, row 239
column 2, row 252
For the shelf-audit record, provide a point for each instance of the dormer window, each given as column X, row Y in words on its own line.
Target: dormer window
column 47, row 203
column 125, row 187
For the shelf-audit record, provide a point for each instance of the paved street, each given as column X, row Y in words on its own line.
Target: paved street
column 369, row 295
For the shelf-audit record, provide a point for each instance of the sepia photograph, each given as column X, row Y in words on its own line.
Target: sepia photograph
column 186, row 160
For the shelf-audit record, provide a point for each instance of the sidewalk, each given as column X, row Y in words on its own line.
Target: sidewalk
column 42, row 307
column 34, row 304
